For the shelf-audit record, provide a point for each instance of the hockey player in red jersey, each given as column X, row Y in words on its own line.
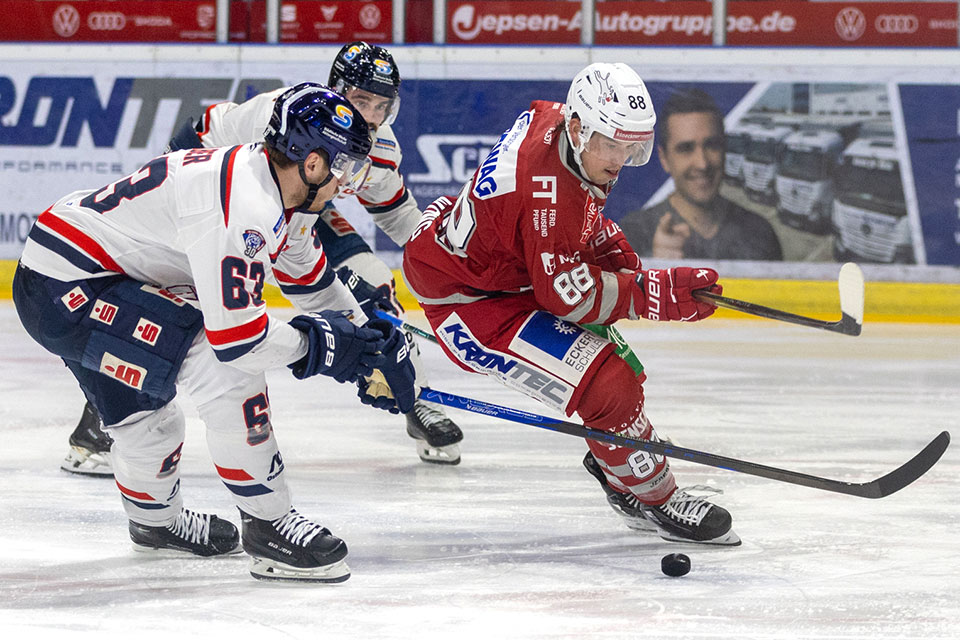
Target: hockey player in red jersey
column 152, row 286
column 509, row 270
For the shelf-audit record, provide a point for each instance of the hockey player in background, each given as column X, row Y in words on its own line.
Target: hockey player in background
column 509, row 271
column 152, row 285
column 368, row 77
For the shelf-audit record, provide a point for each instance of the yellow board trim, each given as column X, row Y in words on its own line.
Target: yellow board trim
column 884, row 302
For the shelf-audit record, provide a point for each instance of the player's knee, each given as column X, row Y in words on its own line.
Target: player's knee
column 613, row 398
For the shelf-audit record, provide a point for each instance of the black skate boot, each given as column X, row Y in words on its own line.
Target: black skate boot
column 684, row 517
column 626, row 505
column 436, row 434
column 201, row 534
column 293, row 548
column 89, row 453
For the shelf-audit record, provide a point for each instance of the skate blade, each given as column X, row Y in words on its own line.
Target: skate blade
column 265, row 569
column 449, row 454
column 168, row 552
column 729, row 539
column 84, row 462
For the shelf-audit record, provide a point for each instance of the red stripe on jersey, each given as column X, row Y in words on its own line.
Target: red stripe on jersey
column 233, row 474
column 396, row 197
column 236, row 334
column 229, row 186
column 79, row 238
column 135, row 494
column 206, row 122
column 280, row 248
column 389, row 163
column 310, row 278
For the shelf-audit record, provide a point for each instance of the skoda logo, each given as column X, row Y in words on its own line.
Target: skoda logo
column 850, row 23
column 66, row 20
column 897, row 24
column 106, row 21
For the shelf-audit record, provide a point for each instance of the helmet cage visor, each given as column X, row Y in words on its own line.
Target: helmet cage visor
column 627, row 148
column 390, row 109
column 351, row 172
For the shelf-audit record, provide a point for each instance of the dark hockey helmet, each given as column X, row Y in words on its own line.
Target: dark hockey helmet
column 310, row 117
column 368, row 67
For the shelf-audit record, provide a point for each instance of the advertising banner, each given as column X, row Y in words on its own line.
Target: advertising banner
column 821, row 171
column 193, row 20
column 313, row 21
column 623, row 22
column 123, row 21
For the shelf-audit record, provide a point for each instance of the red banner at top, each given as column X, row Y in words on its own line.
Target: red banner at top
column 535, row 22
column 796, row 23
column 118, row 21
column 193, row 20
column 334, row 22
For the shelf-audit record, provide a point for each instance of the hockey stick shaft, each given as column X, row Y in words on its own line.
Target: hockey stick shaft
column 851, row 305
column 406, row 326
column 768, row 312
column 879, row 488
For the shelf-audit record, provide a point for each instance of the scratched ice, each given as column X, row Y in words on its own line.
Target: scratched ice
column 517, row 541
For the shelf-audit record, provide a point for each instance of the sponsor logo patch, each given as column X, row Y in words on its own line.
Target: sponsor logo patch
column 147, row 331
column 164, row 293
column 74, row 299
column 123, row 371
column 104, row 312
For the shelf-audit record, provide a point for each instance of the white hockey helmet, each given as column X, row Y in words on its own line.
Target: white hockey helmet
column 610, row 99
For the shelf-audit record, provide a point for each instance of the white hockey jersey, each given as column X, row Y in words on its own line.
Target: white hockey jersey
column 210, row 219
column 383, row 193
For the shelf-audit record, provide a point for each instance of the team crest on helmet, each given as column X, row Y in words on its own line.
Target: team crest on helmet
column 252, row 242
column 351, row 53
column 382, row 66
column 344, row 117
column 607, row 94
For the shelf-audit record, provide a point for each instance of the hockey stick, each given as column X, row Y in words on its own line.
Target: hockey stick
column 851, row 305
column 406, row 326
column 879, row 488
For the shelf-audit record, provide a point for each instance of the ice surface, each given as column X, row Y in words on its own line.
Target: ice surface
column 517, row 541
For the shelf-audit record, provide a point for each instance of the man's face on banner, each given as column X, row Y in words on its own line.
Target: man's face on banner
column 693, row 154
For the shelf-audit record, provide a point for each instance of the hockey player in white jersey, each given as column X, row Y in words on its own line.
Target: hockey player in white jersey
column 368, row 77
column 152, row 285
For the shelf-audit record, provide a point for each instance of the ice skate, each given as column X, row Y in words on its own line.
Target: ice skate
column 619, row 502
column 89, row 453
column 684, row 517
column 293, row 548
column 201, row 534
column 437, row 435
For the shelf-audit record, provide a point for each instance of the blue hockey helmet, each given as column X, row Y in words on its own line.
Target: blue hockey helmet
column 359, row 65
column 310, row 117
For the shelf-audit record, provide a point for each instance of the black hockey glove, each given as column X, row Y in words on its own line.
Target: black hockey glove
column 370, row 297
column 391, row 387
column 337, row 347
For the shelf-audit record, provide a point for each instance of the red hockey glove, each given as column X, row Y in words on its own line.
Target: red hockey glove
column 668, row 293
column 614, row 253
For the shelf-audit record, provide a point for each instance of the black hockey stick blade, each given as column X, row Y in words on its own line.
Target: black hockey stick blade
column 879, row 488
column 851, row 305
column 907, row 473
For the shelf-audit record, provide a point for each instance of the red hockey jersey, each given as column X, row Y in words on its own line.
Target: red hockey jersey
column 526, row 221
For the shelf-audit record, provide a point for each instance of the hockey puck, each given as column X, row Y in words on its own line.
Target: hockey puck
column 675, row 565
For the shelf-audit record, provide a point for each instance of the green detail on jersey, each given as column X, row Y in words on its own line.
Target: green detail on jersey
column 623, row 349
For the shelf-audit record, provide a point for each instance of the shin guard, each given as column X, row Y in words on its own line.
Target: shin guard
column 613, row 402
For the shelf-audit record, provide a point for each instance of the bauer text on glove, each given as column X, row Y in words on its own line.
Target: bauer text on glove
column 667, row 294
column 336, row 347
